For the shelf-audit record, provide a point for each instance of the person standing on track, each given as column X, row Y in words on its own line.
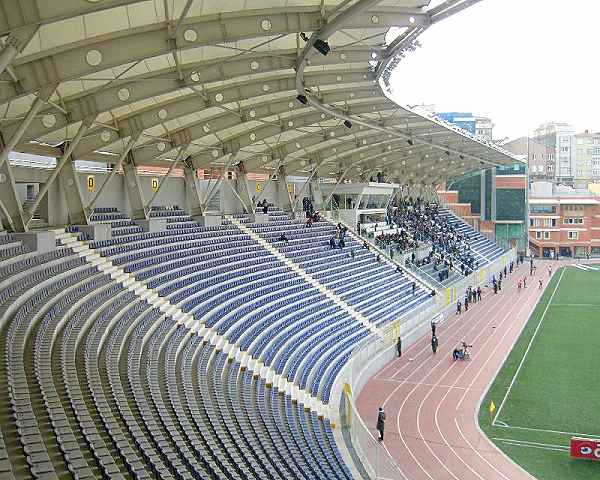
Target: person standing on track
column 433, row 327
column 549, row 271
column 478, row 294
column 540, row 283
column 458, row 308
column 381, row 423
column 434, row 344
column 399, row 347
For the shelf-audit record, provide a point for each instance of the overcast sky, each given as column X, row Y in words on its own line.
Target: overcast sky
column 520, row 62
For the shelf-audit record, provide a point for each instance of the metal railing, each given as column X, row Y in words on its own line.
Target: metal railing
column 368, row 358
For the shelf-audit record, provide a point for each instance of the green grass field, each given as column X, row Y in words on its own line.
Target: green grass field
column 556, row 389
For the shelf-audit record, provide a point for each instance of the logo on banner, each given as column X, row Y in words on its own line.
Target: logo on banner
column 91, row 183
column 154, row 184
column 258, row 187
column 585, row 448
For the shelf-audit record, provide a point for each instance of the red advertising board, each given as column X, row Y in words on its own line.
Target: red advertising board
column 585, row 448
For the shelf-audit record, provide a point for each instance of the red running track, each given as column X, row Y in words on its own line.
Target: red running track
column 431, row 401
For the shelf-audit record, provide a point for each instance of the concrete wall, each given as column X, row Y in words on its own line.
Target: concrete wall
column 54, row 208
column 231, row 204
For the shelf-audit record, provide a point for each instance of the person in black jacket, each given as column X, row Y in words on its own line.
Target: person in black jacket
column 381, row 423
column 434, row 344
column 399, row 347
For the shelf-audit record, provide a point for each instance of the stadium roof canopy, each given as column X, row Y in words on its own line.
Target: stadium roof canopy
column 215, row 82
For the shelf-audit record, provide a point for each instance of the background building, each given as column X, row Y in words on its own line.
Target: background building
column 484, row 128
column 563, row 221
column 464, row 120
column 539, row 157
column 588, row 156
column 561, row 138
column 494, row 202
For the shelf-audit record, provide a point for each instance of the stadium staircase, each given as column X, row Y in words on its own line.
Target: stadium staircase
column 309, row 279
column 195, row 352
column 486, row 250
column 185, row 319
column 103, row 383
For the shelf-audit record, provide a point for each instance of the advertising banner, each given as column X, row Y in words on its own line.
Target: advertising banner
column 585, row 448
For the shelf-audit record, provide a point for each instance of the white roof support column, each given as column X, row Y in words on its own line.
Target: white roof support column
column 303, row 188
column 316, row 194
column 66, row 157
column 242, row 189
column 210, row 193
column 340, row 180
column 132, row 141
column 12, row 210
column 134, row 190
column 71, row 187
column 179, row 158
column 272, row 177
column 193, row 191
column 10, row 145
column 284, row 197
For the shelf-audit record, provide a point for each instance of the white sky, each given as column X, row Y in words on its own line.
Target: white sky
column 520, row 62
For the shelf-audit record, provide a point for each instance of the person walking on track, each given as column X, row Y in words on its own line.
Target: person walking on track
column 381, row 423
column 434, row 344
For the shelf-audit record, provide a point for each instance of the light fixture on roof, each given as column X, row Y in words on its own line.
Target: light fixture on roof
column 347, row 123
column 461, row 157
column 302, row 99
column 410, row 142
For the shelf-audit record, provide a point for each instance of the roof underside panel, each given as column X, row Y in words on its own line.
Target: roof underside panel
column 221, row 83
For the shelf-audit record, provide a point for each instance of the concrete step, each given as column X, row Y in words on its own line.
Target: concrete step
column 151, row 296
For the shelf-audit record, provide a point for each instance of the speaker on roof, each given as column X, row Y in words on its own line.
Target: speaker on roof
column 321, row 46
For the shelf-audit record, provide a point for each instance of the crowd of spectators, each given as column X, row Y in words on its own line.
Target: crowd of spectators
column 417, row 222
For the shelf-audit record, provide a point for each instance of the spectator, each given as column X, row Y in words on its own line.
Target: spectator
column 283, row 238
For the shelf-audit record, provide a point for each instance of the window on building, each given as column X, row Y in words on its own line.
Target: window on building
column 538, row 235
column 546, row 235
column 553, row 222
column 542, row 208
column 573, row 235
